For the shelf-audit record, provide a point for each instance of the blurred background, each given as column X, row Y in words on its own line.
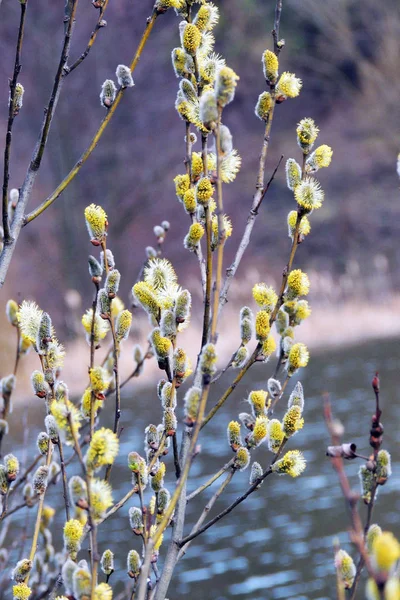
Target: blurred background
column 347, row 54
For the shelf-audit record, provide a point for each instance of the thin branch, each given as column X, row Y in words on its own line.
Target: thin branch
column 207, row 509
column 11, row 115
column 26, row 189
column 92, row 39
column 210, row 481
column 75, row 170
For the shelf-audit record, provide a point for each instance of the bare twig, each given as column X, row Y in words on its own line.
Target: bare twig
column 11, row 115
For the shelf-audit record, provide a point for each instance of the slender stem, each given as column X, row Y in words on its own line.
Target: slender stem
column 92, row 40
column 75, row 170
column 34, row 166
column 64, row 478
column 11, row 115
column 176, row 456
column 209, row 269
column 233, row 385
column 227, row 510
column 207, row 509
column 38, row 516
column 210, row 481
column 221, row 233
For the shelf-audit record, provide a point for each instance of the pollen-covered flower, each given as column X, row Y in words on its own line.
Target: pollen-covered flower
column 100, row 326
column 345, row 568
column 292, row 421
column 208, row 359
column 96, row 222
column 225, row 85
column 262, row 325
column 234, row 439
column 124, row 76
column 270, row 65
column 101, row 498
column 293, row 173
column 108, row 93
column 308, row 194
column 257, row 399
column 259, row 433
column 63, row 412
column 367, row 481
column 204, row 191
column 193, row 237
column 157, row 480
column 293, row 464
column 191, row 404
column 373, row 532
column 383, row 467
column 159, row 274
column 304, row 227
column 103, row 591
column 227, row 228
column 99, row 381
column 288, row 86
column 207, row 17
column 162, row 346
column 298, row 284
column 190, row 37
column 21, row 591
column 73, row 532
column 385, row 551
column 189, row 201
column 268, row 347
column 307, row 133
column 242, row 458
column 29, row 318
column 123, row 325
column 275, row 435
column 298, row 357
column 146, row 296
column 263, row 106
column 182, row 62
column 265, row 296
column 321, row 157
column 102, row 450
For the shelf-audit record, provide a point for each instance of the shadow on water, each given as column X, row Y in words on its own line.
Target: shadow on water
column 277, row 544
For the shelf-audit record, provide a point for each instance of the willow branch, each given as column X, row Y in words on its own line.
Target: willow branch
column 34, row 166
column 11, row 116
column 75, row 170
column 92, row 40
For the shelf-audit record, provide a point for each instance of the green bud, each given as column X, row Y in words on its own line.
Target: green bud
column 191, row 404
column 136, row 520
column 133, row 564
column 112, row 283
column 11, row 312
column 107, row 562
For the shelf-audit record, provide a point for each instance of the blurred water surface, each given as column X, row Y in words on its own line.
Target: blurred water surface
column 278, row 543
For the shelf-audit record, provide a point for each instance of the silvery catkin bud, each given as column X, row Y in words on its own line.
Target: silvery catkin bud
column 110, row 259
column 40, row 480
column 103, row 303
column 112, row 283
column 124, row 76
column 39, row 385
column 21, row 570
column 226, row 142
column 208, row 109
column 108, row 93
column 208, row 358
column 43, row 443
column 133, row 564
column 191, row 403
column 136, row 520
column 12, row 312
column 51, row 428
column 107, row 562
column 18, row 98
column 95, row 268
column 11, row 464
column 182, row 306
